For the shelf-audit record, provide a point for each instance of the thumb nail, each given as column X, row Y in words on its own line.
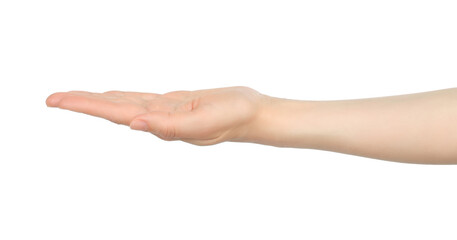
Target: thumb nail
column 139, row 125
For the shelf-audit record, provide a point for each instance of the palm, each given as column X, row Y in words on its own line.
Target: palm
column 200, row 117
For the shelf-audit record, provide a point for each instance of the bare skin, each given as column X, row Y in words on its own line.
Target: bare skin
column 413, row 128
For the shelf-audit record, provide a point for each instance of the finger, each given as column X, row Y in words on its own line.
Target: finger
column 140, row 95
column 54, row 99
column 95, row 105
column 174, row 125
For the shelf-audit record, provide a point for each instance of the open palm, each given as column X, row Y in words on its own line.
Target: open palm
column 200, row 117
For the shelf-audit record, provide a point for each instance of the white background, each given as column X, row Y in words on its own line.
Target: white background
column 65, row 175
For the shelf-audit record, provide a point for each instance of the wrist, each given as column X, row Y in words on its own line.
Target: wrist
column 281, row 122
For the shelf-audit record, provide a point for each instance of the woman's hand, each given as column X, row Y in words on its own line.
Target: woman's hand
column 202, row 117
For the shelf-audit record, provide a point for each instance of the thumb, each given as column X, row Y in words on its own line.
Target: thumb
column 167, row 125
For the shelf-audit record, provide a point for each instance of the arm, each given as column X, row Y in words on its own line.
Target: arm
column 415, row 128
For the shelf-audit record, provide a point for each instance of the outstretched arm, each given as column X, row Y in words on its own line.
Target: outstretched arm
column 415, row 128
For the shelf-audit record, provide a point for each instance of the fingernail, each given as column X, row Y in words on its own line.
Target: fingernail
column 139, row 125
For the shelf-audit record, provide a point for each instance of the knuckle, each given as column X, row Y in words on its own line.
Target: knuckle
column 168, row 130
column 168, row 133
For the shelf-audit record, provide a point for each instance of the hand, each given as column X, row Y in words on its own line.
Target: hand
column 202, row 117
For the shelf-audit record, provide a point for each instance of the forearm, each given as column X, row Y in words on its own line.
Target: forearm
column 419, row 128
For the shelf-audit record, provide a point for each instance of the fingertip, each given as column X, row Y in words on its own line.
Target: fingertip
column 139, row 124
column 54, row 99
